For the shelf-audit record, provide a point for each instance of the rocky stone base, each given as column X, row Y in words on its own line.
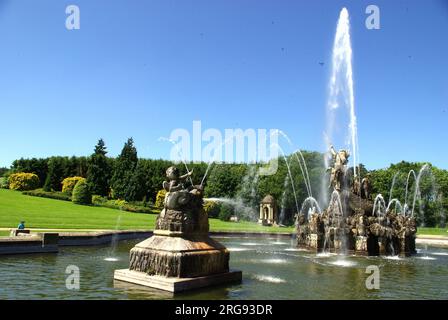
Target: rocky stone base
column 361, row 245
column 175, row 285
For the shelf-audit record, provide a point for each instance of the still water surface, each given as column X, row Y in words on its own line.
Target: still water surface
column 272, row 269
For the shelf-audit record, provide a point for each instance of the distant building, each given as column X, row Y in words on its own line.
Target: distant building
column 268, row 211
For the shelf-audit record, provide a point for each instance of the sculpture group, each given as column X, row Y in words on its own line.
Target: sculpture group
column 180, row 255
column 350, row 223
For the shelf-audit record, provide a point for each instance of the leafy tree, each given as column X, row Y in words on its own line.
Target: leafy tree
column 3, row 171
column 56, row 173
column 34, row 165
column 124, row 170
column 99, row 170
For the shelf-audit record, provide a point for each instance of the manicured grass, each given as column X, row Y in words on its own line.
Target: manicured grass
column 433, row 231
column 56, row 214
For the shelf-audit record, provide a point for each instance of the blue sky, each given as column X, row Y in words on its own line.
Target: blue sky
column 145, row 68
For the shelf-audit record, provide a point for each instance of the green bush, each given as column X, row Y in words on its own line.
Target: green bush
column 160, row 199
column 68, row 184
column 4, row 183
column 81, row 193
column 48, row 194
column 23, row 181
column 120, row 205
column 225, row 212
column 212, row 208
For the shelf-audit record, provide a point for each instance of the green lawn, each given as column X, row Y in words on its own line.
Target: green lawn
column 56, row 214
column 433, row 231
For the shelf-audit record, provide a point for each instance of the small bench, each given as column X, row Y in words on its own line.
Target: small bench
column 16, row 232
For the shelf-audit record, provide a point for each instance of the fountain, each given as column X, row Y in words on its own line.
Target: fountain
column 353, row 223
column 180, row 255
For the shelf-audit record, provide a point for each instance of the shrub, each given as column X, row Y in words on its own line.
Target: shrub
column 48, row 194
column 68, row 184
column 23, row 181
column 160, row 199
column 81, row 193
column 4, row 183
column 212, row 208
column 120, row 205
column 225, row 212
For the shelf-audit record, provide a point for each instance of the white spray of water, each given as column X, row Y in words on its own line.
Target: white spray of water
column 341, row 84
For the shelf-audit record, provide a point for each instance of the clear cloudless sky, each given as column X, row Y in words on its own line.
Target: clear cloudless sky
column 144, row 68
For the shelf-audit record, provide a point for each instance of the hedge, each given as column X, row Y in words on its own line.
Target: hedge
column 48, row 194
column 120, row 205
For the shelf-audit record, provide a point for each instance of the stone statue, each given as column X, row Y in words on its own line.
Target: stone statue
column 340, row 160
column 174, row 182
column 178, row 194
column 365, row 187
column 180, row 255
column 356, row 188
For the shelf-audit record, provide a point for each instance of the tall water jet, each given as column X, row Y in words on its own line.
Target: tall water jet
column 283, row 203
column 341, row 90
column 407, row 186
column 290, row 176
column 393, row 185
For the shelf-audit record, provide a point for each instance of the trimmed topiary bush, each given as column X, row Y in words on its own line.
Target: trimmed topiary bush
column 81, row 193
column 212, row 208
column 23, row 181
column 160, row 199
column 68, row 184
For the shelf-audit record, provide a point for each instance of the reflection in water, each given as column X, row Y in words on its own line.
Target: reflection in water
column 270, row 271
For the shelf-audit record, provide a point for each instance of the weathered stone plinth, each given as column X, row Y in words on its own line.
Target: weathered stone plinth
column 177, row 262
column 174, row 285
column 175, row 256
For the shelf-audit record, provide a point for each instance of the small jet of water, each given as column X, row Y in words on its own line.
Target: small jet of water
column 269, row 279
column 439, row 253
column 237, row 249
column 249, row 244
column 427, row 258
column 392, row 258
column 343, row 263
column 111, row 259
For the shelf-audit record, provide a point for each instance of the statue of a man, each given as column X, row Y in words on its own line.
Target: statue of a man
column 340, row 159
